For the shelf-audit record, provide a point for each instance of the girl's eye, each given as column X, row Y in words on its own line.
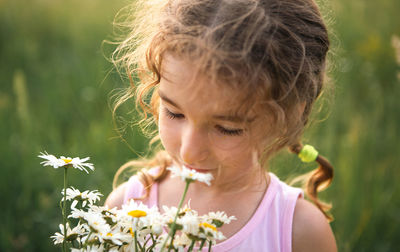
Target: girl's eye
column 173, row 115
column 229, row 132
column 222, row 130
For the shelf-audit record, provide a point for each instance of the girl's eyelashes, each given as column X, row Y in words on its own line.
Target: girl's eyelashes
column 229, row 132
column 173, row 115
column 219, row 128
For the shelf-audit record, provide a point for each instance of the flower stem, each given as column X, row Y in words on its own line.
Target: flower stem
column 202, row 244
column 136, row 241
column 191, row 246
column 173, row 228
column 64, row 211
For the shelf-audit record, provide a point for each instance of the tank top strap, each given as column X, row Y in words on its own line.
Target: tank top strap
column 286, row 200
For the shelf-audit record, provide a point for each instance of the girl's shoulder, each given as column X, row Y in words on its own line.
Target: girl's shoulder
column 311, row 231
column 133, row 188
column 117, row 196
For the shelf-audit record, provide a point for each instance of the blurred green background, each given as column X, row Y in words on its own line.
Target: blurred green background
column 55, row 86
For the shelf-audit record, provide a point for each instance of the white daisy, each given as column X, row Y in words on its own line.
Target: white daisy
column 169, row 214
column 138, row 217
column 210, row 232
column 77, row 163
column 115, row 238
column 181, row 242
column 77, row 214
column 156, row 222
column 190, row 175
column 110, row 215
column 218, row 218
column 80, row 164
column 157, row 228
column 86, row 197
column 190, row 223
column 96, row 222
column 72, row 234
column 91, row 196
column 51, row 160
column 135, row 209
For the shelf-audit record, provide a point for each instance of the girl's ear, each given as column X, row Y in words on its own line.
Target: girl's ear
column 299, row 111
column 301, row 107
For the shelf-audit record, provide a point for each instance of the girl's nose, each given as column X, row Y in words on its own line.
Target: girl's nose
column 194, row 145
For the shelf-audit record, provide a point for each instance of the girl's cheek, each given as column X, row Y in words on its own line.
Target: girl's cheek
column 169, row 133
column 241, row 155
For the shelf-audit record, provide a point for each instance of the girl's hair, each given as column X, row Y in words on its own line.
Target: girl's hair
column 273, row 51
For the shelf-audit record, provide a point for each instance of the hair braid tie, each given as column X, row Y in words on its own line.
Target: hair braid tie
column 308, row 154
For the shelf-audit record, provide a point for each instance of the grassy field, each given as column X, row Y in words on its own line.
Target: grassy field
column 55, row 84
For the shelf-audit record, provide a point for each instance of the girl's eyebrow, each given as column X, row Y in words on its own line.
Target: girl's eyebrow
column 229, row 118
column 166, row 99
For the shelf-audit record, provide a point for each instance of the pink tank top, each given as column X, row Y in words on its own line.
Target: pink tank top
column 269, row 229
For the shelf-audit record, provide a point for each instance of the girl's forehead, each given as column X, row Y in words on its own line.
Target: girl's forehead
column 182, row 81
column 177, row 71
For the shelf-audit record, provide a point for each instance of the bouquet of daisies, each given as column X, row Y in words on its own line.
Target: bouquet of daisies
column 135, row 227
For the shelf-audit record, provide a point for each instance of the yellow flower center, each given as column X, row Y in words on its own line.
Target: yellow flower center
column 132, row 233
column 208, row 225
column 187, row 209
column 109, row 234
column 137, row 213
column 67, row 160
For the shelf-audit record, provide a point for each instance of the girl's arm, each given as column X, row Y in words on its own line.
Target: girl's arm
column 311, row 230
column 116, row 197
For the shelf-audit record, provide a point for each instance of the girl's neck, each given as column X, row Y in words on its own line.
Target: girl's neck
column 205, row 200
column 221, row 187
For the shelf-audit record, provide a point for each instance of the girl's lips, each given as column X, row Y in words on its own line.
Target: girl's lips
column 198, row 170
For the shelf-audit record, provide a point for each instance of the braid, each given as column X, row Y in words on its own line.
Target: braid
column 317, row 180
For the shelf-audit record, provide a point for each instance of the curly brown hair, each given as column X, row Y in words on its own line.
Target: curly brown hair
column 273, row 51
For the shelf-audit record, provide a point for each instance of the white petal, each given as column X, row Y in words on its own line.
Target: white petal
column 74, row 203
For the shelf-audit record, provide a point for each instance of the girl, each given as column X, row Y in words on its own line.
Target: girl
column 229, row 83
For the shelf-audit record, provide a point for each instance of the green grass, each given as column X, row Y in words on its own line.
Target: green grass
column 55, row 84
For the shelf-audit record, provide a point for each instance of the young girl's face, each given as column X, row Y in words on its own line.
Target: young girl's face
column 198, row 125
